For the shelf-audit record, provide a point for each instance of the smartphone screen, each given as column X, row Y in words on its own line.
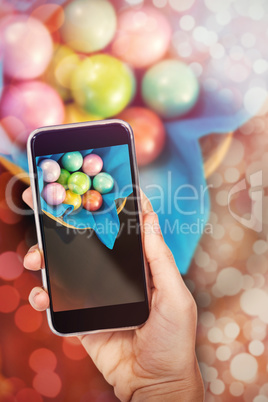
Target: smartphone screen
column 90, row 227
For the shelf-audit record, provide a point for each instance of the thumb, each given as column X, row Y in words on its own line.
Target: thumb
column 165, row 274
column 28, row 197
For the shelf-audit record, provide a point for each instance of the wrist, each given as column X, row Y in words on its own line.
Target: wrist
column 185, row 390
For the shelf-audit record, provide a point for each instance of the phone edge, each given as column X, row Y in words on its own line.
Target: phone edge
column 37, row 220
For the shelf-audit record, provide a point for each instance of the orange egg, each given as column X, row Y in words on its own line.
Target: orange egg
column 149, row 133
column 92, row 200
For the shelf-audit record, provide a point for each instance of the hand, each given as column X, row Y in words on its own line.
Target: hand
column 156, row 362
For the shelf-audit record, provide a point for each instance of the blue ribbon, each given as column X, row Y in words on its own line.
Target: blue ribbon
column 105, row 222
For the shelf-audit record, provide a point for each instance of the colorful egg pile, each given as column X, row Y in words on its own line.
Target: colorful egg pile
column 86, row 60
column 76, row 181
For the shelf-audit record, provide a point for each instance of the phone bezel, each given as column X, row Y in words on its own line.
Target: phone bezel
column 117, row 317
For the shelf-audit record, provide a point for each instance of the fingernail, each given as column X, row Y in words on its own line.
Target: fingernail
column 35, row 296
column 32, row 251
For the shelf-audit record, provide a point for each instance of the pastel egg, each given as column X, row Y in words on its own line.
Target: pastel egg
column 149, row 133
column 92, row 200
column 103, row 183
column 54, row 193
column 89, row 25
column 59, row 72
column 92, row 164
column 64, row 177
column 75, row 114
column 79, row 183
column 27, row 46
column 72, row 199
column 52, row 16
column 72, row 161
column 170, row 88
column 27, row 106
column 51, row 170
column 143, row 36
column 102, row 85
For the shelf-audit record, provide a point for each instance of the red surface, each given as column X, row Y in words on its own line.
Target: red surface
column 36, row 365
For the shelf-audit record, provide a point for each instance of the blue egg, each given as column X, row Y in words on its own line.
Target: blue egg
column 72, row 161
column 103, row 183
column 170, row 88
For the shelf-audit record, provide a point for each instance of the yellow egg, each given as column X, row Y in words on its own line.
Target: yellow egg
column 58, row 74
column 74, row 114
column 72, row 199
column 103, row 85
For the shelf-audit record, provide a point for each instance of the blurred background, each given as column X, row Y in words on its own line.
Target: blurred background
column 190, row 76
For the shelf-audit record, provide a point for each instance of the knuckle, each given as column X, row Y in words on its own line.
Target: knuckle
column 169, row 256
column 190, row 305
column 162, row 256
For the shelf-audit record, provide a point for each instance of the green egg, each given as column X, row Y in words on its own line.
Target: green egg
column 79, row 183
column 64, row 177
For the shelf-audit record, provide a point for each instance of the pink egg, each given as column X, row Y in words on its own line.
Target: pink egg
column 143, row 36
column 54, row 193
column 27, row 47
column 51, row 170
column 27, row 106
column 92, row 164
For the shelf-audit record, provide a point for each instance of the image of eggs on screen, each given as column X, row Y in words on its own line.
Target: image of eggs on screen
column 92, row 247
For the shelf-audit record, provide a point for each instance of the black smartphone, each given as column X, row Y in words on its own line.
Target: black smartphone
column 86, row 197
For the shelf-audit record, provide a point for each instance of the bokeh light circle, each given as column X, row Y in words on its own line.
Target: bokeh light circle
column 256, row 347
column 264, row 389
column 215, row 335
column 254, row 301
column 231, row 174
column 223, row 353
column 260, row 398
column 181, row 5
column 235, row 153
column 47, row 383
column 254, row 100
column 232, row 330
column 10, row 266
column 42, row 359
column 236, row 233
column 27, row 319
column 244, row 367
column 207, row 319
column 28, row 395
column 260, row 247
column 9, row 299
column 217, row 387
column 187, row 22
column 208, row 373
column 229, row 281
column 236, row 388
